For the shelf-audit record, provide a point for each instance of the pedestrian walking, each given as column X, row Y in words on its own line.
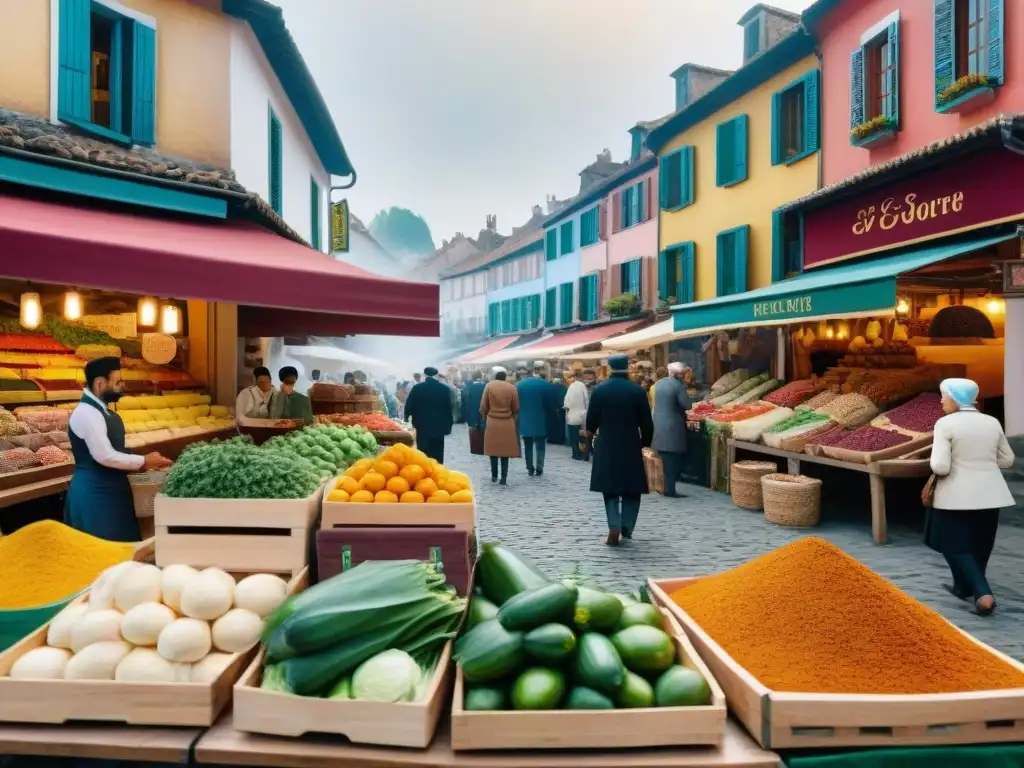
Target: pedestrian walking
column 472, row 397
column 499, row 407
column 968, row 453
column 556, row 411
column 590, row 382
column 534, row 401
column 575, row 404
column 429, row 408
column 671, row 402
column 619, row 416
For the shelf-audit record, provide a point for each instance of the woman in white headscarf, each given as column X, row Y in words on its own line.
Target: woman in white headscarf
column 968, row 453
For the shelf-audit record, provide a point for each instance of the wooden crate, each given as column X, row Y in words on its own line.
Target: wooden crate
column 55, row 702
column 255, row 535
column 337, row 514
column 595, row 729
column 829, row 721
column 404, row 724
column 860, row 457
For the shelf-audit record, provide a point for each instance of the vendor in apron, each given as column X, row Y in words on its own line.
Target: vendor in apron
column 254, row 402
column 99, row 501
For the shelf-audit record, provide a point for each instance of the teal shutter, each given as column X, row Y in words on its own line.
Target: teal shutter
column 551, row 308
column 567, row 246
column 524, row 313
column 637, row 145
column 634, row 204
column 551, row 244
column 535, row 311
column 857, row 106
column 945, row 65
column 506, row 316
column 777, row 128
column 739, row 148
column 663, row 275
column 739, row 274
column 143, row 84
column 74, row 90
column 117, row 78
column 812, row 112
column 720, row 258
column 723, row 154
column 274, row 161
column 584, row 298
column 595, row 298
column 663, row 183
column 566, row 301
column 892, row 105
column 996, row 24
column 778, row 246
column 314, row 214
column 686, row 287
column 686, row 174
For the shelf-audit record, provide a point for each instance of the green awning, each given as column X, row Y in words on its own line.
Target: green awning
column 852, row 290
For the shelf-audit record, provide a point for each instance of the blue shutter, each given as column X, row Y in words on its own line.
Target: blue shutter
column 74, row 90
column 686, row 288
column 720, row 257
column 550, row 308
column 945, row 64
column 663, row 276
column 740, row 259
column 686, row 174
column 777, row 128
column 143, row 84
column 857, row 105
column 739, row 149
column 996, row 24
column 778, row 246
column 892, row 106
column 275, row 162
column 812, row 113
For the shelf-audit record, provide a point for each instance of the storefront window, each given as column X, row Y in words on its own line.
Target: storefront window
column 971, row 37
column 881, row 76
column 793, row 121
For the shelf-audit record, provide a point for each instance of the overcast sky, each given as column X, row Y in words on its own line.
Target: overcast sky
column 461, row 108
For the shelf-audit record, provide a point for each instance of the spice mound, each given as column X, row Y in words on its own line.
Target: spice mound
column 47, row 561
column 808, row 618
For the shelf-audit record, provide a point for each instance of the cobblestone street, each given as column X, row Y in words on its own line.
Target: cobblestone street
column 557, row 521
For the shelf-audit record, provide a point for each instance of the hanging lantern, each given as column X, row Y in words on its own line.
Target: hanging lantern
column 31, row 311
column 902, row 306
column 170, row 319
column 72, row 305
column 147, row 312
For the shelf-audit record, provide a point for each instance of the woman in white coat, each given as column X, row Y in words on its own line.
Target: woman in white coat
column 969, row 451
column 575, row 404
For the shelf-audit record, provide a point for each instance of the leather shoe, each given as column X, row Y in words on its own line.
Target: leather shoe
column 613, row 538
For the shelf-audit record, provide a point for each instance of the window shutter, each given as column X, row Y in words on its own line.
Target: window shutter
column 649, row 206
column 663, row 275
column 739, row 148
column 636, row 278
column 812, row 116
column 996, row 23
column 535, row 316
column 720, row 257
column 686, row 287
column 602, row 221
column 551, row 244
column 143, row 84
column 550, row 308
column 274, row 159
column 776, row 129
column 524, row 313
column 594, row 303
column 506, row 316
column 634, row 204
column 686, row 175
column 663, row 183
column 945, row 66
column 739, row 274
column 778, row 246
column 314, row 214
column 641, row 202
column 857, row 105
column 892, row 106
column 74, row 76
column 722, row 138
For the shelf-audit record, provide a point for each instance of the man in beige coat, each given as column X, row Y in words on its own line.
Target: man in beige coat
column 500, row 407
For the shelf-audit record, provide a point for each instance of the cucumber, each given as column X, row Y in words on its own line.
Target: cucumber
column 636, row 693
column 645, row 649
column 598, row 665
column 582, row 697
column 341, row 690
column 550, row 643
column 538, row 688
column 502, row 573
column 641, row 613
column 485, row 699
column 489, row 652
column 540, row 605
column 681, row 686
column 480, row 610
column 595, row 610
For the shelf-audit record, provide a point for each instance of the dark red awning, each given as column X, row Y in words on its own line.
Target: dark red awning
column 229, row 261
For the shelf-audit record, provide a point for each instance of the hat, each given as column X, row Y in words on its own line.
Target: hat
column 618, row 363
column 963, row 392
column 498, row 369
column 674, row 368
column 430, row 371
column 539, row 364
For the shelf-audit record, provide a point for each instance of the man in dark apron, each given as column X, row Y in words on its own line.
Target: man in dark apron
column 99, row 501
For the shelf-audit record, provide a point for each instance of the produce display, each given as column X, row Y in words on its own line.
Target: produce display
column 831, row 436
column 328, row 448
column 400, row 474
column 799, row 420
column 918, row 415
column 537, row 644
column 852, row 632
column 47, row 561
column 374, row 632
column 740, row 412
column 867, row 439
column 791, row 395
column 759, row 391
column 819, row 400
column 750, row 430
column 961, row 321
column 728, row 382
column 747, row 385
column 701, row 411
column 143, row 624
column 371, row 420
column 850, row 410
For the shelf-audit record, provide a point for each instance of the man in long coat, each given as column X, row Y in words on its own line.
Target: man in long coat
column 671, row 402
column 556, row 411
column 429, row 408
column 534, row 402
column 472, row 394
column 619, row 417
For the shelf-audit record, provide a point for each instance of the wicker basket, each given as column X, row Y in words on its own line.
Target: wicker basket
column 655, row 470
column 745, row 482
column 145, row 486
column 791, row 500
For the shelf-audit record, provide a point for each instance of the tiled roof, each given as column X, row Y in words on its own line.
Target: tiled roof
column 598, row 191
column 510, row 246
column 771, row 9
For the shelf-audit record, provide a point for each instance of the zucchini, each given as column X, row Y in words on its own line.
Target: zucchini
column 596, row 610
column 645, row 649
column 480, row 610
column 636, row 693
column 641, row 613
column 598, row 665
column 485, row 699
column 582, row 697
column 538, row 688
column 503, row 573
column 550, row 643
column 540, row 605
column 489, row 652
column 342, row 689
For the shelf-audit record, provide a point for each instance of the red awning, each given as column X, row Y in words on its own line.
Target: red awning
column 574, row 339
column 488, row 349
column 229, row 261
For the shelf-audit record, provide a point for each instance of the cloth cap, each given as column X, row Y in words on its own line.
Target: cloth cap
column 618, row 363
column 498, row 369
column 963, row 392
column 430, row 371
column 101, row 367
column 674, row 368
column 538, row 364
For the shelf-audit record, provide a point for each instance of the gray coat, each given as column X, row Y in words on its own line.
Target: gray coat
column 671, row 402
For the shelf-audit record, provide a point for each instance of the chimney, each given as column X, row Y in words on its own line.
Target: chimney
column 763, row 27
column 492, row 222
column 537, row 211
column 605, row 156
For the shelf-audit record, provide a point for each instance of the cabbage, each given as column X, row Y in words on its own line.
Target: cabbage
column 389, row 676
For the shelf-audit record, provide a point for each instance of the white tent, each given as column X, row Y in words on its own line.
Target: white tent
column 324, row 357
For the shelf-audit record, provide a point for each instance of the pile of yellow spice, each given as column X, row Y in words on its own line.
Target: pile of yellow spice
column 47, row 561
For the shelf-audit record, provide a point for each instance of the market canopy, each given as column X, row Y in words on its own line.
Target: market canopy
column 650, row 336
column 327, row 355
column 228, row 261
column 852, row 290
column 560, row 344
column 487, row 349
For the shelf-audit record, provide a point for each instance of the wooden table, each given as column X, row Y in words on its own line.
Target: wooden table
column 222, row 745
column 878, row 472
column 99, row 741
column 34, row 483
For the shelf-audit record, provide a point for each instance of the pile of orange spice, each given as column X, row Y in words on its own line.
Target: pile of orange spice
column 808, row 618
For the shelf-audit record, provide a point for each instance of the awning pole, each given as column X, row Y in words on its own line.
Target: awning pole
column 780, row 353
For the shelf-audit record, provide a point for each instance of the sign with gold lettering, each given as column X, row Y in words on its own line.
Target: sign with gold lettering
column 339, row 226
column 789, row 307
column 950, row 198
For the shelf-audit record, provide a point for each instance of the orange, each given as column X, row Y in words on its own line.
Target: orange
column 419, row 458
column 441, row 476
column 440, row 497
column 373, row 482
column 387, row 468
column 427, row 487
column 359, row 469
column 462, row 497
column 347, row 484
column 385, row 497
column 462, row 478
column 411, row 497
column 398, row 485
column 361, row 497
column 391, row 455
column 338, row 494
column 412, row 473
column 452, row 486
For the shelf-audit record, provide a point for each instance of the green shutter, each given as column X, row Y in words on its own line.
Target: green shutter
column 275, row 162
column 74, row 94
column 778, row 246
column 551, row 244
column 535, row 311
column 857, row 105
column 506, row 316
column 584, row 298
column 566, row 304
column 566, row 238
column 663, row 275
column 739, row 274
column 634, row 204
column 721, row 255
column 594, row 304
column 892, row 104
column 777, row 128
column 996, row 25
column 663, row 183
column 314, row 214
column 551, row 308
column 723, row 154
column 739, row 148
column 945, row 64
column 812, row 112
column 686, row 288
column 524, row 313
column 143, row 84
column 686, row 176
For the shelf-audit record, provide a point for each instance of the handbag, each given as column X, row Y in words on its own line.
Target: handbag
column 928, row 492
column 476, row 441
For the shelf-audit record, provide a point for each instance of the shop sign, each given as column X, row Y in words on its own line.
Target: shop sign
column 339, row 226
column 791, row 307
column 970, row 193
column 158, row 348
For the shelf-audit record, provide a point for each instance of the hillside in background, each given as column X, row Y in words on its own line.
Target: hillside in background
column 402, row 232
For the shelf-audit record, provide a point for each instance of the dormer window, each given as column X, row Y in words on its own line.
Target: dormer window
column 682, row 89
column 639, row 143
column 752, row 38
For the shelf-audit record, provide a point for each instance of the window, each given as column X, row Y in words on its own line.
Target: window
column 731, row 273
column 676, row 273
column 456, row 288
column 968, row 49
column 550, row 308
column 566, row 238
column 566, row 312
column 632, row 201
column 874, row 86
column 675, row 179
column 106, row 79
column 630, row 276
column 590, row 227
column 752, row 39
column 795, row 120
column 531, row 312
column 479, row 283
column 639, row 136
column 314, row 214
column 731, row 151
column 274, row 162
column 682, row 89
column 493, row 319
column 506, row 316
column 590, row 298
column 551, row 244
